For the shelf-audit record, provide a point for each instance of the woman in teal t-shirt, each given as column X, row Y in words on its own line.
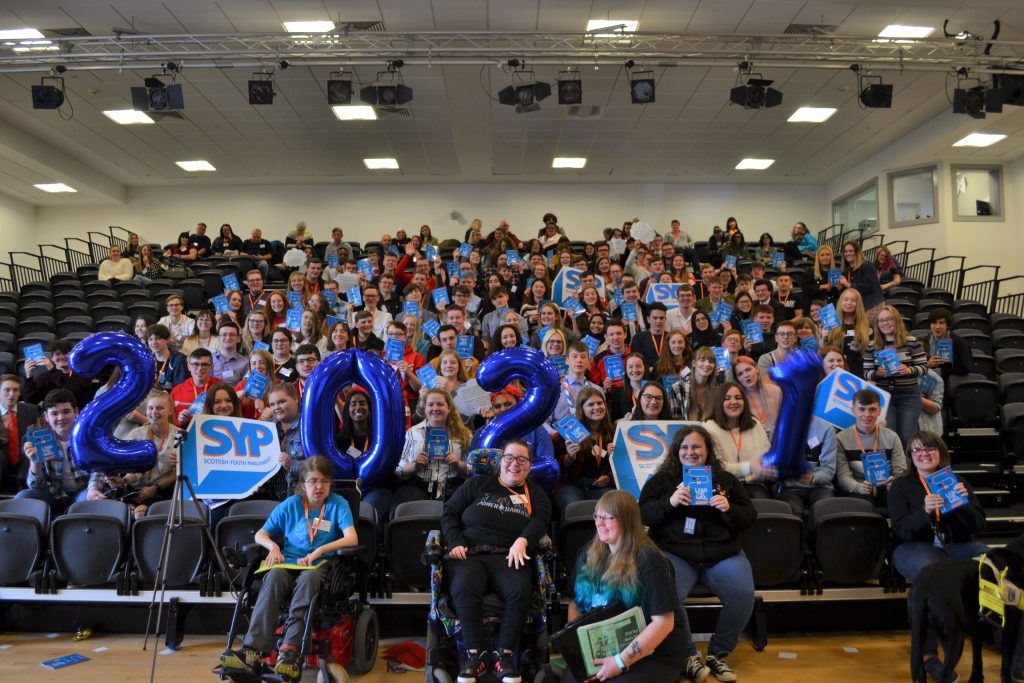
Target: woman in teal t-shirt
column 313, row 523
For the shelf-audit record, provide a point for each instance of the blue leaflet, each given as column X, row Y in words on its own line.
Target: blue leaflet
column 829, row 318
column 464, row 346
column 46, row 445
column 256, row 385
column 440, row 297
column 628, row 310
column 778, row 258
column 572, row 429
column 428, row 376
column 560, row 364
column 943, row 348
column 613, row 368
column 230, row 282
column 411, row 308
column 876, row 467
column 888, row 360
column 355, row 296
column 436, row 443
column 294, row 299
column 394, row 350
column 833, row 276
column 592, row 345
column 220, row 304
column 34, row 352
column 698, row 480
column 430, row 327
column 942, row 483
column 294, row 320
column 752, row 331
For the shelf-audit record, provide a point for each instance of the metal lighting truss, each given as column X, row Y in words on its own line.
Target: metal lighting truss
column 815, row 50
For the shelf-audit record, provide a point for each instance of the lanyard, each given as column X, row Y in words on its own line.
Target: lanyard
column 520, row 498
column 929, row 492
column 600, row 449
column 298, row 386
column 737, row 443
column 313, row 529
column 163, row 442
column 658, row 344
column 252, row 304
column 874, row 446
column 196, row 392
column 762, row 415
column 163, row 367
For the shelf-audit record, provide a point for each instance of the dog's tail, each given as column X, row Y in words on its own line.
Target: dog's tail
column 918, row 636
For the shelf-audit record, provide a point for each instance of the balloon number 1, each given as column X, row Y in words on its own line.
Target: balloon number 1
column 539, row 376
column 798, row 378
column 387, row 426
column 93, row 444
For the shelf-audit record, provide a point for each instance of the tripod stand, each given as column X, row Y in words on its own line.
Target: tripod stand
column 176, row 521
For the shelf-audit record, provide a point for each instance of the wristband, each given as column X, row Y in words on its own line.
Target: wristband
column 618, row 661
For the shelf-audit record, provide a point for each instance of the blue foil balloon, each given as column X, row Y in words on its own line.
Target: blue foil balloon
column 93, row 444
column 387, row 433
column 798, row 378
column 539, row 376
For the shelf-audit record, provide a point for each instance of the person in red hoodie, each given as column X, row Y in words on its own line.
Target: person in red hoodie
column 411, row 362
column 421, row 265
column 615, row 345
column 200, row 365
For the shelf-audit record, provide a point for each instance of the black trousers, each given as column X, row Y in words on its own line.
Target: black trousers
column 469, row 580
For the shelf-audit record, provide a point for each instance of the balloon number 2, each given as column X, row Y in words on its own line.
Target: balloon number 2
column 387, row 426
column 539, row 376
column 93, row 444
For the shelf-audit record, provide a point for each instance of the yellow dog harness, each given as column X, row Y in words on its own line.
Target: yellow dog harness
column 996, row 592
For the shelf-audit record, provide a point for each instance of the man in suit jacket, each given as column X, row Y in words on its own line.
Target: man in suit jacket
column 16, row 417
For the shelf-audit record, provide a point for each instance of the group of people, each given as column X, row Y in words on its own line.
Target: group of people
column 436, row 309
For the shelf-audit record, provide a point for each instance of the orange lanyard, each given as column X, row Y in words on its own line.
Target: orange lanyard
column 762, row 415
column 658, row 344
column 520, row 498
column 163, row 442
column 737, row 443
column 162, row 367
column 874, row 447
column 783, row 300
column 278, row 367
column 298, row 386
column 252, row 304
column 600, row 449
column 929, row 492
column 313, row 529
column 196, row 392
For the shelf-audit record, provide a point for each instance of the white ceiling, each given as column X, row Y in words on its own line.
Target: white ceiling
column 456, row 132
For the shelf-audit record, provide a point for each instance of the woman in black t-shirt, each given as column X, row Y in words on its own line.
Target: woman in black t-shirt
column 491, row 525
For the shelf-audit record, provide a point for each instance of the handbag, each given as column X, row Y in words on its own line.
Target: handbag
column 568, row 640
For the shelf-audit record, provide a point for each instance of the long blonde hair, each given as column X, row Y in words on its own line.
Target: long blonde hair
column 619, row 569
column 456, row 430
column 817, row 263
column 861, row 329
column 858, row 257
column 899, row 338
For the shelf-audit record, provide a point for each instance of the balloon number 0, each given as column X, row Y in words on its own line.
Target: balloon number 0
column 798, row 378
column 387, row 425
column 539, row 376
column 93, row 445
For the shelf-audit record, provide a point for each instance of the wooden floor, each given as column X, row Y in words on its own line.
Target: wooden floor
column 878, row 657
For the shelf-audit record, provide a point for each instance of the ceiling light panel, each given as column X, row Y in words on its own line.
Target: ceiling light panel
column 754, row 164
column 55, row 187
column 127, row 116
column 568, row 162
column 197, row 165
column 377, row 164
column 811, row 115
column 979, row 140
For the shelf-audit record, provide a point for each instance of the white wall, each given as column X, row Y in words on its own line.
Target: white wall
column 365, row 211
column 17, row 226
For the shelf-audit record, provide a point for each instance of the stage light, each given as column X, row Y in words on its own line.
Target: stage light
column 756, row 94
column 570, row 87
column 1012, row 86
column 525, row 97
column 45, row 96
column 873, row 93
column 641, row 84
column 261, row 89
column 977, row 101
column 388, row 91
column 339, row 89
column 155, row 96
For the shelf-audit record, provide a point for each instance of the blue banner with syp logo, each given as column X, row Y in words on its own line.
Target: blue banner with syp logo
column 229, row 457
column 639, row 449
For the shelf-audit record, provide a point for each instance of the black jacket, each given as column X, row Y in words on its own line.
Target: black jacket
column 911, row 523
column 717, row 534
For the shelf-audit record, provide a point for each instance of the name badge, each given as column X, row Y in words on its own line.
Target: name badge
column 813, row 442
column 354, row 452
column 287, row 372
column 325, row 525
column 690, row 526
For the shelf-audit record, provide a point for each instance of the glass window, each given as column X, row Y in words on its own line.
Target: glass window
column 912, row 196
column 978, row 193
column 858, row 209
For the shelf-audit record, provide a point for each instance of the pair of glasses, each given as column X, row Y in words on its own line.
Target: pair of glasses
column 603, row 518
column 318, row 482
column 921, row 450
column 518, row 459
column 200, row 366
column 652, row 397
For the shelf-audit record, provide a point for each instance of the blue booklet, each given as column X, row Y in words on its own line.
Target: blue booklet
column 888, row 360
column 430, row 328
column 332, row 319
column 230, row 282
column 512, row 256
column 698, row 480
column 46, row 445
column 628, row 310
column 943, row 348
column 61, row 662
column 220, row 304
column 876, row 467
column 928, row 383
column 366, row 268
column 617, row 296
column 411, row 308
column 613, row 368
column 669, row 381
column 34, row 352
column 333, row 261
column 942, row 483
column 542, row 332
column 809, row 343
column 355, row 296
column 294, row 319
column 730, row 262
column 394, row 350
column 436, row 443
column 572, row 429
column 392, row 249
column 197, row 405
column 573, row 305
column 592, row 345
column 294, row 299
column 465, row 249
column 428, row 376
column 464, row 346
column 833, row 276
column 332, row 298
column 722, row 359
column 778, row 258
column 441, row 297
column 263, row 346
column 721, row 314
column 829, row 317
column 560, row 364
column 453, row 269
column 256, row 385
column 752, row 331
column 432, row 254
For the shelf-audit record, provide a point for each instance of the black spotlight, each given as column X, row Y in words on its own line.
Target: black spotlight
column 641, row 87
column 977, row 101
column 756, row 94
column 339, row 92
column 1012, row 86
column 570, row 87
column 46, row 96
column 877, row 96
column 526, row 97
column 261, row 89
column 389, row 95
column 155, row 96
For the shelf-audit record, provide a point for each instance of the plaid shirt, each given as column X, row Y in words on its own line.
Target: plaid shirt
column 52, row 476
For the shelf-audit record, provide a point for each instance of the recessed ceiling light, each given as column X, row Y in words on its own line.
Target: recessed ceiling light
column 900, row 31
column 374, row 164
column 55, row 187
column 979, row 140
column 355, row 112
column 197, row 165
column 568, row 162
column 127, row 116
column 811, row 115
column 754, row 164
column 614, row 26
column 308, row 26
column 20, row 34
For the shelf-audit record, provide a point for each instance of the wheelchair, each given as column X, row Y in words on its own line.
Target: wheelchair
column 445, row 647
column 341, row 632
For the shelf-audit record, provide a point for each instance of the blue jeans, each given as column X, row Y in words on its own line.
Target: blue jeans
column 732, row 582
column 912, row 556
column 904, row 412
column 57, row 506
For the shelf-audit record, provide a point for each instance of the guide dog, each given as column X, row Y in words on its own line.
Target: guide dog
column 945, row 598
